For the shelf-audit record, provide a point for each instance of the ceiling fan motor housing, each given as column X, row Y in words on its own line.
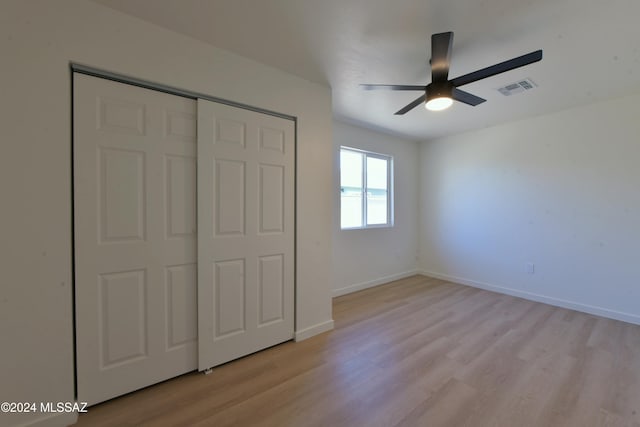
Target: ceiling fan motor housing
column 439, row 90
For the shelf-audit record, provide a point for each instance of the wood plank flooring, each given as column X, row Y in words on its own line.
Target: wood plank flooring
column 415, row 352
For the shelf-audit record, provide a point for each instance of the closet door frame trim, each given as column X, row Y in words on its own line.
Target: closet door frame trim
column 121, row 78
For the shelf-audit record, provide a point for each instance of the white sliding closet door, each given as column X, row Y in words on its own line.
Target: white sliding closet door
column 135, row 237
column 245, row 232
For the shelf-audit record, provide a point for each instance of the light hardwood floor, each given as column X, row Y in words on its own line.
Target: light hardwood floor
column 415, row 352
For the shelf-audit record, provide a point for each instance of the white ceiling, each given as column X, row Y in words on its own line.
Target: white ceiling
column 591, row 50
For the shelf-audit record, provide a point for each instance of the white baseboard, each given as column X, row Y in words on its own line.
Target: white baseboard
column 303, row 334
column 585, row 308
column 62, row 419
column 380, row 281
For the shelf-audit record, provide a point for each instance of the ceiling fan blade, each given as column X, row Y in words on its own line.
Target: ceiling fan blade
column 502, row 67
column 392, row 87
column 412, row 105
column 441, row 56
column 466, row 97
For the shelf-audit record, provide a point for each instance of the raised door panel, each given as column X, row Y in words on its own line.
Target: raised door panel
column 229, row 197
column 272, row 139
column 121, row 115
column 123, row 317
column 230, row 297
column 230, row 132
column 121, row 196
column 180, row 126
column 271, row 203
column 180, row 200
column 181, row 294
column 271, row 289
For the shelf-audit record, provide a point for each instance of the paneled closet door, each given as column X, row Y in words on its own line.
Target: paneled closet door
column 135, row 237
column 245, row 232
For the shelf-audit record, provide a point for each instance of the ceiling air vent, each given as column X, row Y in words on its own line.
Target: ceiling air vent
column 517, row 87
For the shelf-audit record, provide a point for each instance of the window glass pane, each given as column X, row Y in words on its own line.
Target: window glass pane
column 350, row 189
column 376, row 191
column 350, row 169
column 376, row 207
column 351, row 209
column 376, row 173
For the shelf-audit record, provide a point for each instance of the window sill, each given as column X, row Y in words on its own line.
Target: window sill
column 368, row 227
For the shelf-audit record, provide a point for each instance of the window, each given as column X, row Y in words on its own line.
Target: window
column 365, row 189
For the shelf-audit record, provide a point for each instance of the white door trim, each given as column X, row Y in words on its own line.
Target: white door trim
column 123, row 78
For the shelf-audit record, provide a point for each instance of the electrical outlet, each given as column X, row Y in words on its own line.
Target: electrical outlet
column 530, row 268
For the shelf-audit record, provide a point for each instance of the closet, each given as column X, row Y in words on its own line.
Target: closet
column 183, row 234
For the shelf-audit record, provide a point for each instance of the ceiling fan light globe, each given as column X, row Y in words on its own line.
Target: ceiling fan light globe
column 439, row 103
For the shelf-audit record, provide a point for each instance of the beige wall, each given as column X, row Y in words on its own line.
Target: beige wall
column 560, row 191
column 365, row 258
column 38, row 40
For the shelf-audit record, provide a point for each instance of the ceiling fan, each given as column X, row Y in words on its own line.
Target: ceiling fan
column 441, row 92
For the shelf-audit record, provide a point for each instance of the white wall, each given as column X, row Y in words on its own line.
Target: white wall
column 364, row 258
column 38, row 39
column 561, row 191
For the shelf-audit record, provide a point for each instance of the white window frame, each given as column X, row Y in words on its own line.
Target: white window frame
column 366, row 154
